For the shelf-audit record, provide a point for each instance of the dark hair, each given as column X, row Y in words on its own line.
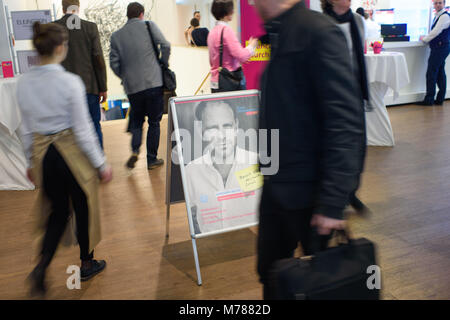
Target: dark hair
column 326, row 6
column 194, row 22
column 195, row 12
column 134, row 10
column 222, row 8
column 204, row 104
column 46, row 37
column 68, row 3
column 360, row 11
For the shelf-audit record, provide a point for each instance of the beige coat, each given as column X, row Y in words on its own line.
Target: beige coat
column 86, row 176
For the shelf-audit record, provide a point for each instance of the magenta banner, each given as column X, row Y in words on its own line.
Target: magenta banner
column 252, row 26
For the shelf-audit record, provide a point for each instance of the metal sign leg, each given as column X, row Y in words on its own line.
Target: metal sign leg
column 197, row 264
column 168, row 169
column 167, row 219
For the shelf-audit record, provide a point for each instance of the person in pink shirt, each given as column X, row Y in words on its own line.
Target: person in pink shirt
column 233, row 53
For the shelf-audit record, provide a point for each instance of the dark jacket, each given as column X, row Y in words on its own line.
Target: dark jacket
column 200, row 37
column 356, row 71
column 308, row 93
column 85, row 56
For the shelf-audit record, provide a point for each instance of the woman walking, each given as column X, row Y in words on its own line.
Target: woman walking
column 225, row 51
column 64, row 156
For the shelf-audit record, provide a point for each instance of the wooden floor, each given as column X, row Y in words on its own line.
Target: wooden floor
column 407, row 187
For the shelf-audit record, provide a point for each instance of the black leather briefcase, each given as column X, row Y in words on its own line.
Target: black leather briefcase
column 338, row 273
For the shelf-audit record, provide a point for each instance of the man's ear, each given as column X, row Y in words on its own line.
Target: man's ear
column 141, row 16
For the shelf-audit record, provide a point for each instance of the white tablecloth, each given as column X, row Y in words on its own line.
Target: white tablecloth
column 384, row 71
column 12, row 157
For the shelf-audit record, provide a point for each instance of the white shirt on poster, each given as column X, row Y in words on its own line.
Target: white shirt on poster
column 220, row 206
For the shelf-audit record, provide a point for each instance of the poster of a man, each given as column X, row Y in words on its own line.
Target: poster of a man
column 223, row 182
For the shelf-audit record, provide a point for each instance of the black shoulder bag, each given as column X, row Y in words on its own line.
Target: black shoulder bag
column 228, row 80
column 169, row 78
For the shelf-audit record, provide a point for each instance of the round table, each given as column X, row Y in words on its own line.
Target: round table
column 13, row 163
column 385, row 70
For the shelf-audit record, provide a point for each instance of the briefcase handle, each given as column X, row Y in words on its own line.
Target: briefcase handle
column 316, row 240
column 342, row 234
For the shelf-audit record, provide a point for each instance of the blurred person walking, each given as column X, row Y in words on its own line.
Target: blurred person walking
column 64, row 156
column 352, row 25
column 134, row 60
column 225, row 51
column 309, row 95
column 85, row 58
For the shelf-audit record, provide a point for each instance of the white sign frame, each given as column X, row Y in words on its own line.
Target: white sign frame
column 173, row 111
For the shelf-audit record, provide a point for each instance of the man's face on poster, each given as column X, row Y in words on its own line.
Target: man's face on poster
column 219, row 130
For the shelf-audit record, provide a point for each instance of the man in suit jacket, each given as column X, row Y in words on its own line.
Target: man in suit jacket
column 309, row 95
column 134, row 60
column 85, row 58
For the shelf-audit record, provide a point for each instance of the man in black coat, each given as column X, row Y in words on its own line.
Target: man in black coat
column 309, row 94
column 85, row 58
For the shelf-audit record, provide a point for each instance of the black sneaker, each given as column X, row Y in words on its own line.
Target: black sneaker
column 36, row 279
column 131, row 163
column 96, row 268
column 155, row 164
column 439, row 103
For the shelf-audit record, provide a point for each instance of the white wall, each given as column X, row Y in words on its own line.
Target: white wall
column 27, row 4
column 191, row 66
column 416, row 60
